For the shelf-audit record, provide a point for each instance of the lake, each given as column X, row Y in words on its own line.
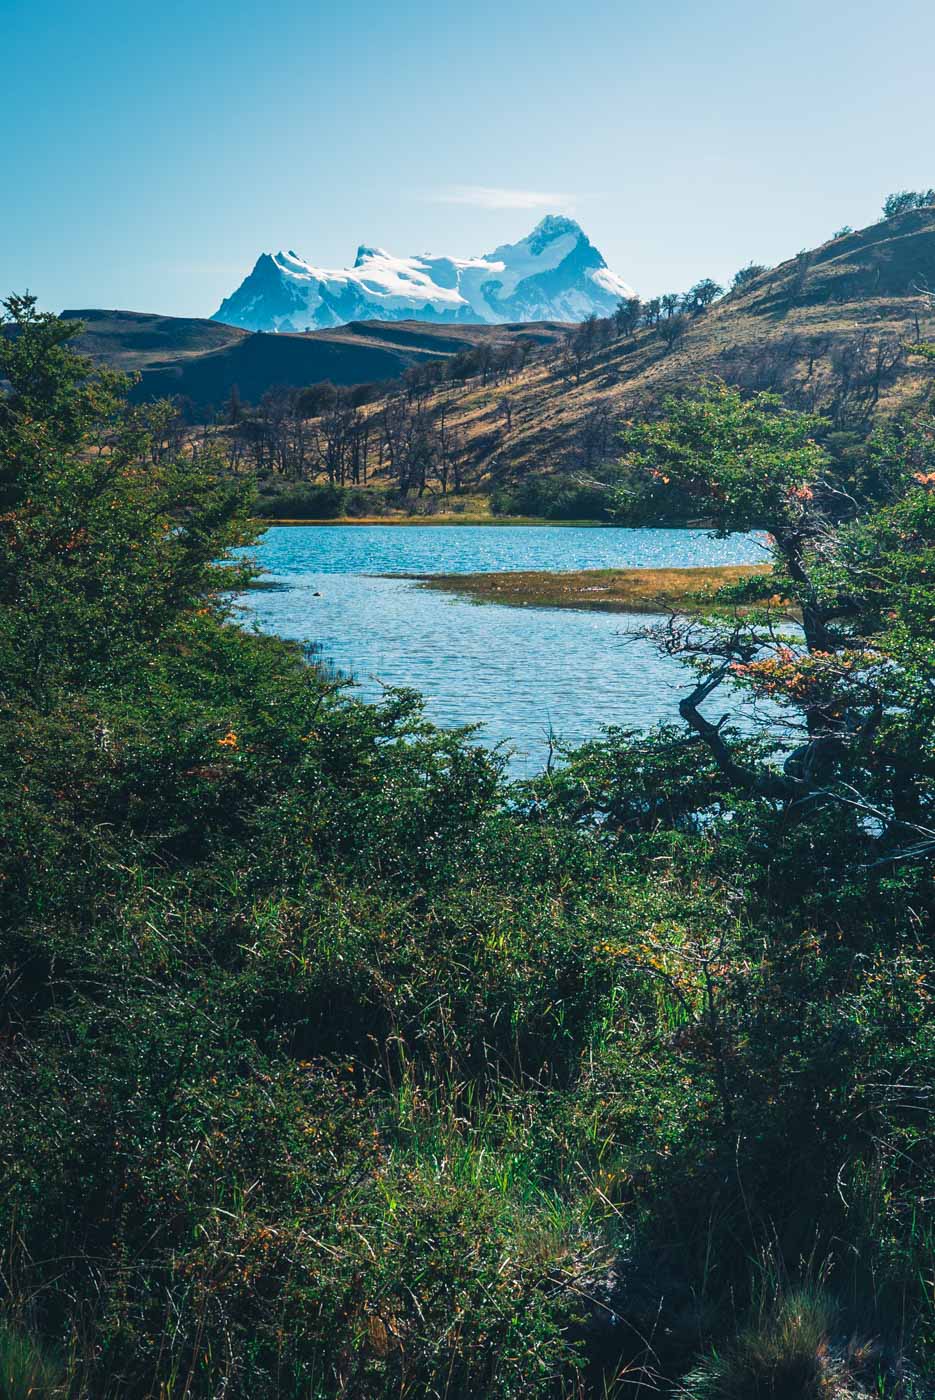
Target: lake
column 518, row 672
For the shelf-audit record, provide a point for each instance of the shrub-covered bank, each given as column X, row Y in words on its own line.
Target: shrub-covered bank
column 334, row 1065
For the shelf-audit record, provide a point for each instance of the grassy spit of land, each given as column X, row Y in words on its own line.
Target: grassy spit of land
column 610, row 590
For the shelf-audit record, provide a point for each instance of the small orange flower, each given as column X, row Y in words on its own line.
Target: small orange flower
column 229, row 741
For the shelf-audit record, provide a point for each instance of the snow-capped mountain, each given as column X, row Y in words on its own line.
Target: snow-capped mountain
column 556, row 274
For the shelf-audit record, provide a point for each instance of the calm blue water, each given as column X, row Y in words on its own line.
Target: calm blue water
column 517, row 672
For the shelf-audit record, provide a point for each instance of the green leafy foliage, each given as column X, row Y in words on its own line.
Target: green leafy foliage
column 746, row 275
column 741, row 463
column 555, row 498
column 105, row 540
column 334, row 1064
column 904, row 200
column 320, row 501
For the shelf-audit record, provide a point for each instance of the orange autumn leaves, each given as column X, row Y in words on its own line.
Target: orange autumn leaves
column 820, row 678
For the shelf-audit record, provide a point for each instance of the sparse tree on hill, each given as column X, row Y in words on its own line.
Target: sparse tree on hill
column 927, row 297
column 800, row 268
column 862, row 368
column 626, row 316
column 485, row 361
column 596, row 437
column 334, row 437
column 580, row 344
column 672, row 329
column 589, row 334
column 904, row 200
column 524, row 349
column 233, row 409
column 699, row 297
column 394, row 425
column 316, row 399
column 746, row 275
column 449, row 450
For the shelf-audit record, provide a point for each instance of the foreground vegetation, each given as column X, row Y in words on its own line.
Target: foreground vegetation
column 333, row 1064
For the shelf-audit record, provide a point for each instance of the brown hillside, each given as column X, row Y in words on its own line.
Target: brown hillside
column 830, row 329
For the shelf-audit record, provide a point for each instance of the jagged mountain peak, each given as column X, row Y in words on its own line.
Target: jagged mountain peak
column 366, row 251
column 553, row 274
column 554, row 225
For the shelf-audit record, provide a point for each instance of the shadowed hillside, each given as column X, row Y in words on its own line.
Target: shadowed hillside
column 204, row 360
column 139, row 340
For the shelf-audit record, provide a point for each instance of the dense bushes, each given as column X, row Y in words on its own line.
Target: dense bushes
column 319, row 501
column 554, row 499
column 332, row 1064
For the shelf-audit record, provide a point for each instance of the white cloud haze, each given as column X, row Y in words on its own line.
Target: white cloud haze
column 489, row 197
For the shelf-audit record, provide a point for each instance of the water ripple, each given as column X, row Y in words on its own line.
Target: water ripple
column 518, row 672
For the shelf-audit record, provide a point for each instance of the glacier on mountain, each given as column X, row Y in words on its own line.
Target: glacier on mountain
column 555, row 274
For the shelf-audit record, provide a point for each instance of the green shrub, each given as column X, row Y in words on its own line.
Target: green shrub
column 318, row 501
column 784, row 1355
column 27, row 1369
column 554, row 498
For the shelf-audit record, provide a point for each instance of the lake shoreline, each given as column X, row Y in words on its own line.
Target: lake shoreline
column 500, row 521
column 521, row 671
column 440, row 520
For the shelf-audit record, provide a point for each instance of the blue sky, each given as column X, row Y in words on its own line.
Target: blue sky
column 148, row 153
